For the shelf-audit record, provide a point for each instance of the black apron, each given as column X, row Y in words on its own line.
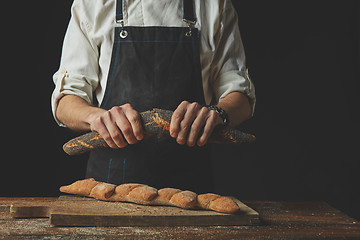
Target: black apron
column 154, row 67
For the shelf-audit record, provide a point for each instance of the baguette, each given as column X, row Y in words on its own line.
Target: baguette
column 103, row 191
column 81, row 187
column 146, row 195
column 133, row 192
column 156, row 123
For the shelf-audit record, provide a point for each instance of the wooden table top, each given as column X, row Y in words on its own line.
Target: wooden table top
column 279, row 220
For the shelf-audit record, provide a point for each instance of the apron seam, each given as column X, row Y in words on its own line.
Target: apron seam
column 111, row 78
column 124, row 170
column 142, row 12
column 109, row 170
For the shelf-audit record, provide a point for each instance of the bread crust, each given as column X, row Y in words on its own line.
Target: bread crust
column 103, row 191
column 146, row 195
column 81, row 187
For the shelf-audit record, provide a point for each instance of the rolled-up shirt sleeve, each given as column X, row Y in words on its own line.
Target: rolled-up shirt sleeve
column 228, row 68
column 79, row 67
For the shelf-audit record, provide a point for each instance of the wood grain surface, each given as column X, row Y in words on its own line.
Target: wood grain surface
column 279, row 220
column 83, row 211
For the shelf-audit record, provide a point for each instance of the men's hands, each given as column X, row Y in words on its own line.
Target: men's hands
column 193, row 124
column 119, row 126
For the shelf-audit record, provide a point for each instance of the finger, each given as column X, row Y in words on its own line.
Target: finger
column 134, row 119
column 124, row 125
column 114, row 132
column 176, row 118
column 197, row 126
column 104, row 133
column 99, row 126
column 208, row 128
column 191, row 113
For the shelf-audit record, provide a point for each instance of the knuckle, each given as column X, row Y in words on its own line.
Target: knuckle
column 98, row 122
column 212, row 114
column 204, row 110
column 113, row 110
column 195, row 127
column 184, row 103
column 133, row 118
column 195, row 105
column 126, row 130
column 176, row 116
column 106, row 137
column 105, row 116
column 102, row 116
column 127, row 106
column 135, row 114
column 184, row 124
column 174, row 128
column 116, row 135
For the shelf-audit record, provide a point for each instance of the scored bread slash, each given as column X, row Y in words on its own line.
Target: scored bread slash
column 224, row 204
column 184, row 199
column 156, row 123
column 81, row 187
column 103, row 191
column 146, row 195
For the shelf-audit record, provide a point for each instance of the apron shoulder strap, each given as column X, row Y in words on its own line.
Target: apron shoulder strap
column 189, row 15
column 119, row 10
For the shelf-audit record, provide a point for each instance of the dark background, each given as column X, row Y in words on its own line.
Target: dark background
column 303, row 57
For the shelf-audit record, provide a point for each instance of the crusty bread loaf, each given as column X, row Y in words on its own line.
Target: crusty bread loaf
column 103, row 191
column 146, row 195
column 204, row 200
column 156, row 123
column 164, row 196
column 223, row 204
column 81, row 187
column 184, row 199
column 122, row 191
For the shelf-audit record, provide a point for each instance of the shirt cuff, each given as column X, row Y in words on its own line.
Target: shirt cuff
column 236, row 81
column 69, row 84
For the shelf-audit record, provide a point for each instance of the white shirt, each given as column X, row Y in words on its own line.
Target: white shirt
column 88, row 43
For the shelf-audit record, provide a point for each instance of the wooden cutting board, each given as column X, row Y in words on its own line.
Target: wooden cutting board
column 83, row 211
